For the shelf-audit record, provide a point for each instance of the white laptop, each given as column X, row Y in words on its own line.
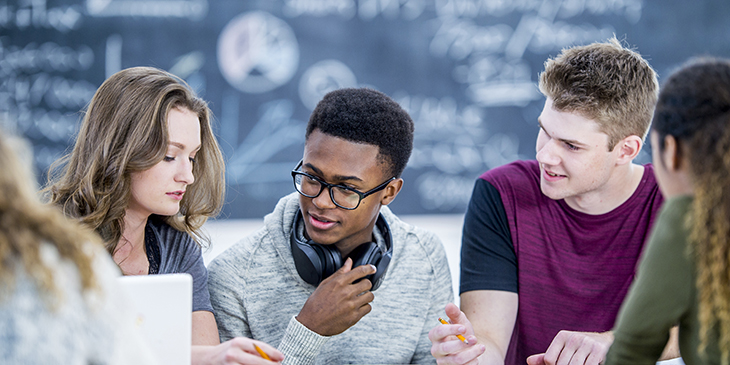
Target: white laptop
column 164, row 306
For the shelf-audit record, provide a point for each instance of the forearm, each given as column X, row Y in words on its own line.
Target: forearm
column 200, row 355
column 493, row 354
column 671, row 351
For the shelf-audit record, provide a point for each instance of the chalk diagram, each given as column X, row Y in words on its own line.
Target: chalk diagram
column 323, row 77
column 257, row 52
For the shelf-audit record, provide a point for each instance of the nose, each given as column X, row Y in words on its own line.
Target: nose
column 323, row 200
column 185, row 173
column 546, row 150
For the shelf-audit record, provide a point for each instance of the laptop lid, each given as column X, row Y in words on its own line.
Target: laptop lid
column 163, row 305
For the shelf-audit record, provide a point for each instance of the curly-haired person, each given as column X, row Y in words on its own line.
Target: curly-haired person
column 684, row 276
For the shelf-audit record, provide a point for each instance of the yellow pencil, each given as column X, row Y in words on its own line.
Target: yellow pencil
column 457, row 336
column 261, row 352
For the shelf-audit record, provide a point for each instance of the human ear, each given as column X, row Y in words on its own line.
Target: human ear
column 628, row 149
column 391, row 191
column 670, row 154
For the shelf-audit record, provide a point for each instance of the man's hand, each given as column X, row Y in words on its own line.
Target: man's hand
column 338, row 303
column 447, row 348
column 575, row 348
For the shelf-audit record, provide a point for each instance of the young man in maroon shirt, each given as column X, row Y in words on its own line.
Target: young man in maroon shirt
column 550, row 246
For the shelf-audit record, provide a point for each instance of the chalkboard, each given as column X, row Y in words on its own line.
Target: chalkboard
column 466, row 70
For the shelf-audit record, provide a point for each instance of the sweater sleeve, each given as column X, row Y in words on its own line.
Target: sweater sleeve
column 441, row 293
column 660, row 296
column 300, row 346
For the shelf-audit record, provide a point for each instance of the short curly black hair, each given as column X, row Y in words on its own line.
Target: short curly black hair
column 364, row 115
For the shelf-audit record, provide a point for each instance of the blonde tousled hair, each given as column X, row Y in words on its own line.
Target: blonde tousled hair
column 605, row 82
column 26, row 224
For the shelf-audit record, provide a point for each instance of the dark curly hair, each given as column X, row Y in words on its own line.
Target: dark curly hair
column 364, row 115
column 694, row 108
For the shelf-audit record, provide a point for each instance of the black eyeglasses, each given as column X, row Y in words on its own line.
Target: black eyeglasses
column 343, row 196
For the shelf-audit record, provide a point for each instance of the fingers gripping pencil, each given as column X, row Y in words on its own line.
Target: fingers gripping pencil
column 457, row 336
column 261, row 352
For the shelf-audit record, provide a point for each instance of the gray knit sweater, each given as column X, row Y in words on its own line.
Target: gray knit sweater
column 256, row 292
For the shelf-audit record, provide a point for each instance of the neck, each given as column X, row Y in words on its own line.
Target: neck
column 133, row 234
column 617, row 190
column 346, row 246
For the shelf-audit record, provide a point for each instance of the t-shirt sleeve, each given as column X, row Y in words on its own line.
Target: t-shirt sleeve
column 186, row 256
column 488, row 260
column 201, row 296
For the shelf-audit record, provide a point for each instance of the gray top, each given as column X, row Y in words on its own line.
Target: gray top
column 256, row 292
column 96, row 327
column 180, row 254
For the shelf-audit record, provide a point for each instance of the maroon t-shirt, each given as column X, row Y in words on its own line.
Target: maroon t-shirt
column 572, row 269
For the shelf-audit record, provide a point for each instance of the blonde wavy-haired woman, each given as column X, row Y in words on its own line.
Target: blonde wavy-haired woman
column 684, row 276
column 145, row 173
column 59, row 299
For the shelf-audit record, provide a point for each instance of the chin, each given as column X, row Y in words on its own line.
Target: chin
column 552, row 193
column 322, row 239
column 168, row 212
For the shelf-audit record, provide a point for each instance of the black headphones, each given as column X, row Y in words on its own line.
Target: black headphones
column 316, row 262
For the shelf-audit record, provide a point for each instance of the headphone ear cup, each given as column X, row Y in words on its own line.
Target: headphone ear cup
column 330, row 258
column 307, row 261
column 367, row 253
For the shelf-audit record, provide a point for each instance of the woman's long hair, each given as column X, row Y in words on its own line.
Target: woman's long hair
column 694, row 107
column 26, row 224
column 124, row 130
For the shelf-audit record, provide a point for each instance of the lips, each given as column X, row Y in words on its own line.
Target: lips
column 319, row 222
column 178, row 195
column 551, row 176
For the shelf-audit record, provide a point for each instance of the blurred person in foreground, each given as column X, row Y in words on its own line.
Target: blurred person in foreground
column 59, row 299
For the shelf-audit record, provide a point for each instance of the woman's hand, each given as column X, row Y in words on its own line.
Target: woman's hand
column 239, row 350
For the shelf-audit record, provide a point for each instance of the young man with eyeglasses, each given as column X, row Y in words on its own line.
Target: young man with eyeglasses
column 334, row 276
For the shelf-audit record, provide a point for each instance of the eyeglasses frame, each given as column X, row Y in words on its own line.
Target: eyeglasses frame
column 323, row 184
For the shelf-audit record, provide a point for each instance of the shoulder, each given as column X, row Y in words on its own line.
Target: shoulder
column 513, row 172
column 168, row 236
column 239, row 255
column 647, row 193
column 517, row 177
column 266, row 246
column 417, row 243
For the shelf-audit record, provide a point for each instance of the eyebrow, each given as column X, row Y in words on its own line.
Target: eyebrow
column 564, row 140
column 336, row 177
column 182, row 146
